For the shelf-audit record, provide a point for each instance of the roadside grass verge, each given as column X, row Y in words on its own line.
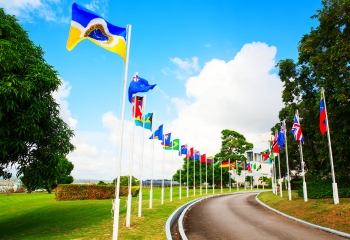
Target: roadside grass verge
column 322, row 212
column 39, row 216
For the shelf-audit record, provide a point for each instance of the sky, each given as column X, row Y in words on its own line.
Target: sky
column 214, row 63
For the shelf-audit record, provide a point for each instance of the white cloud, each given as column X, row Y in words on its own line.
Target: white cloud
column 62, row 93
column 185, row 69
column 240, row 95
column 28, row 10
column 208, row 45
column 98, row 6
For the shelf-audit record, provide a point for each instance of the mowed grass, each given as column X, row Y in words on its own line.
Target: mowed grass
column 322, row 212
column 40, row 216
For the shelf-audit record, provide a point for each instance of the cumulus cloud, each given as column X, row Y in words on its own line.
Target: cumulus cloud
column 99, row 6
column 60, row 95
column 240, row 95
column 185, row 68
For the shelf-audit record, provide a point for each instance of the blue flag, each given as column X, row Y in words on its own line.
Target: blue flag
column 183, row 150
column 146, row 121
column 280, row 138
column 138, row 84
column 158, row 134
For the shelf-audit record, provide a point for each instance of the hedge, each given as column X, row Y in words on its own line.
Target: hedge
column 323, row 189
column 67, row 192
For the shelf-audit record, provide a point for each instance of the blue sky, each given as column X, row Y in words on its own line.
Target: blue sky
column 213, row 63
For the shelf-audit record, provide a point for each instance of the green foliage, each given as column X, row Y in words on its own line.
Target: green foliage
column 323, row 189
column 67, row 192
column 324, row 56
column 124, row 181
column 47, row 176
column 32, row 134
column 101, row 183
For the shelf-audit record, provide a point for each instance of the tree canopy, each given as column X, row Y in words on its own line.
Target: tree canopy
column 32, row 134
column 323, row 62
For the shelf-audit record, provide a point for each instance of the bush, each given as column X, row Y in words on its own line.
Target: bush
column 66, row 192
column 324, row 189
column 296, row 184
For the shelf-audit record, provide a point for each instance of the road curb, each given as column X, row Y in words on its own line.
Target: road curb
column 343, row 234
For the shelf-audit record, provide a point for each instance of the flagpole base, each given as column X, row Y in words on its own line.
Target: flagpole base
column 150, row 198
column 335, row 193
column 116, row 207
column 289, row 191
column 128, row 211
column 305, row 191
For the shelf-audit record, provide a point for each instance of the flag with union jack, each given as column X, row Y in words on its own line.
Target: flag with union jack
column 296, row 130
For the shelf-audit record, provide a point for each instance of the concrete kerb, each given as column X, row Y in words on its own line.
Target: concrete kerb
column 183, row 209
column 304, row 222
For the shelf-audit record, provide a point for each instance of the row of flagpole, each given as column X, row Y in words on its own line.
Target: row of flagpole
column 119, row 43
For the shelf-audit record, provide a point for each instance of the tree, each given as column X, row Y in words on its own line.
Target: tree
column 47, row 177
column 32, row 134
column 233, row 146
column 124, row 181
column 324, row 56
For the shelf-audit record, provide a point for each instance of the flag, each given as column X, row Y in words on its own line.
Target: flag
column 195, row 155
column 146, row 121
column 248, row 166
column 191, row 153
column 323, row 123
column 174, row 145
column 138, row 84
column 265, row 154
column 158, row 134
column 166, row 140
column 280, row 138
column 183, row 150
column 204, row 158
column 275, row 147
column 86, row 24
column 210, row 160
column 296, row 130
column 258, row 168
column 137, row 112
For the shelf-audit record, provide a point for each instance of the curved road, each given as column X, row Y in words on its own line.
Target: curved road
column 240, row 216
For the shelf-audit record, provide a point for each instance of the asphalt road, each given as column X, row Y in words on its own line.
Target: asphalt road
column 239, row 216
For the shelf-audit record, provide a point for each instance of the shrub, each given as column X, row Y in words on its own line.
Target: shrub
column 324, row 189
column 66, row 192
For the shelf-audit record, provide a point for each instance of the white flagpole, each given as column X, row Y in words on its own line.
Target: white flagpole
column 274, row 172
column 279, row 170
column 152, row 165
column 206, row 175
column 200, row 174
column 162, row 200
column 128, row 206
column 287, row 164
column 229, row 174
column 245, row 187
column 119, row 160
column 187, row 186
column 334, row 184
column 171, row 180
column 194, row 172
column 302, row 164
column 141, row 159
column 180, row 193
column 212, row 162
column 221, row 176
column 237, row 176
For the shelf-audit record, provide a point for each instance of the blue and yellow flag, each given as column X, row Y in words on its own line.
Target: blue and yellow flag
column 158, row 134
column 86, row 24
column 146, row 121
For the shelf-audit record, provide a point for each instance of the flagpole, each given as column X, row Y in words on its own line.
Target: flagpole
column 221, row 176
column 274, row 173
column 171, row 180
column 162, row 199
column 287, row 164
column 180, row 171
column 128, row 207
column 206, row 175
column 229, row 174
column 141, row 159
column 194, row 172
column 237, row 176
column 187, row 161
column 245, row 175
column 334, row 184
column 152, row 165
column 302, row 164
column 119, row 160
column 213, row 176
column 279, row 170
column 200, row 174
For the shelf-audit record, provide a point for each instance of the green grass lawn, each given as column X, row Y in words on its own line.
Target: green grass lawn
column 39, row 216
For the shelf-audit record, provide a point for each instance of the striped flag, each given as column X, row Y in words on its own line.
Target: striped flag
column 296, row 130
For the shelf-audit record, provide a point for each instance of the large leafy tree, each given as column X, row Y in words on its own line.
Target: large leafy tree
column 32, row 134
column 324, row 57
column 47, row 176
